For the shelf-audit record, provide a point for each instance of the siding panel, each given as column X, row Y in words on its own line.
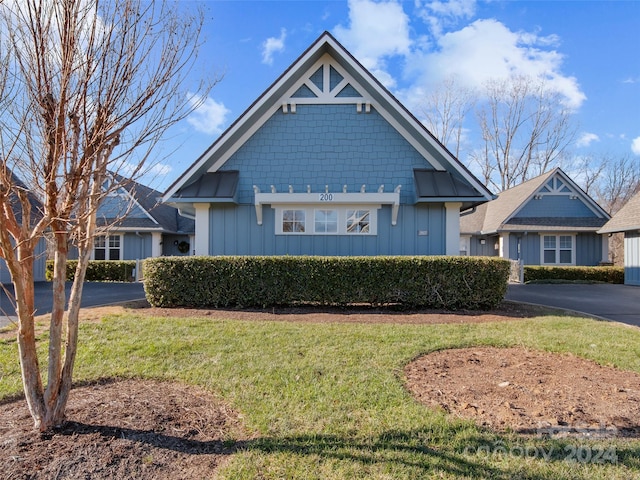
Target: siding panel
column 234, row 231
column 589, row 249
column 632, row 258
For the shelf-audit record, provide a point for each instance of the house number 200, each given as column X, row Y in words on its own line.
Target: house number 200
column 326, row 197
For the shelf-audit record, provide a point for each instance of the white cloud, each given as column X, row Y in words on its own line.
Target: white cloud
column 486, row 49
column 635, row 146
column 376, row 30
column 439, row 14
column 587, row 139
column 273, row 45
column 209, row 117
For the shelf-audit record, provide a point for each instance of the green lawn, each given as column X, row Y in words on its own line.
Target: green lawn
column 327, row 401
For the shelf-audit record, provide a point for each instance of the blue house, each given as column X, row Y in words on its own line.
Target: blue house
column 132, row 224
column 326, row 162
column 547, row 220
column 627, row 220
column 39, row 263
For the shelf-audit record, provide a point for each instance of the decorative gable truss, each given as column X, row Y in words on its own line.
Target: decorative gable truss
column 559, row 185
column 326, row 83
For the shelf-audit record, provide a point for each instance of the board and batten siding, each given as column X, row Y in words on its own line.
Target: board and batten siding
column 632, row 258
column 136, row 246
column 588, row 249
column 39, row 264
column 420, row 231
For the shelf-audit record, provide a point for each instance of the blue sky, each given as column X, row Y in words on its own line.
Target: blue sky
column 588, row 51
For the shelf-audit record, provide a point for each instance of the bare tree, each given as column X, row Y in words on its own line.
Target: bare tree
column 525, row 130
column 87, row 87
column 445, row 109
column 619, row 180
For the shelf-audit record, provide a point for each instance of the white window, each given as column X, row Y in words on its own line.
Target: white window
column 293, row 221
column 558, row 250
column 326, row 221
column 107, row 247
column 358, row 221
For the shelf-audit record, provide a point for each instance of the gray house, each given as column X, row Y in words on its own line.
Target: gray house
column 627, row 220
column 136, row 226
column 326, row 162
column 547, row 220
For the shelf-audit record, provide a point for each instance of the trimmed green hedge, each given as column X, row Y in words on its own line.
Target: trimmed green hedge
column 99, row 270
column 574, row 274
column 249, row 281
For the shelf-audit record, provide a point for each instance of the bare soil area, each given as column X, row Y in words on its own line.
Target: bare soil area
column 532, row 392
column 122, row 429
column 144, row 429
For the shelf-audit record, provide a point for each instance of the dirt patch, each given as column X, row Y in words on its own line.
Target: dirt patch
column 527, row 391
column 122, row 429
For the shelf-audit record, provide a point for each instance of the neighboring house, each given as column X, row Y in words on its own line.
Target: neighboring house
column 627, row 220
column 138, row 226
column 547, row 220
column 326, row 162
column 40, row 262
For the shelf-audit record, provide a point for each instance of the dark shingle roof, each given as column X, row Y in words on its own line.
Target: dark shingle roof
column 501, row 214
column 168, row 219
column 35, row 203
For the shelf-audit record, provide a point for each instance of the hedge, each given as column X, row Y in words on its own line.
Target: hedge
column 99, row 270
column 574, row 274
column 251, row 281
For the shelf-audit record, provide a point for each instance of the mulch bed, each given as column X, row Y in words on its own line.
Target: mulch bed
column 122, row 429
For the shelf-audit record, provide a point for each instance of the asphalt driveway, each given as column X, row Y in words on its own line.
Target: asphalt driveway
column 611, row 302
column 94, row 294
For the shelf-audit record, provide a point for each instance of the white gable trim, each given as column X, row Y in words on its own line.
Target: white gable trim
column 267, row 103
column 131, row 203
column 576, row 192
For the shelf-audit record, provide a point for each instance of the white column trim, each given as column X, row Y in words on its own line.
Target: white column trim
column 201, row 244
column 503, row 242
column 452, row 228
column 156, row 244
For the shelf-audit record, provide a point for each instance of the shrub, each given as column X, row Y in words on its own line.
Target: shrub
column 249, row 281
column 574, row 274
column 99, row 270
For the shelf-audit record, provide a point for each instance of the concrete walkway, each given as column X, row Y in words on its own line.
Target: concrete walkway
column 610, row 302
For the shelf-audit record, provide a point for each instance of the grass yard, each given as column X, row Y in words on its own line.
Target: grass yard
column 327, row 400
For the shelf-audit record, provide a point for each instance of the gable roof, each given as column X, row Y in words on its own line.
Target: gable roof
column 626, row 219
column 158, row 216
column 291, row 87
column 500, row 215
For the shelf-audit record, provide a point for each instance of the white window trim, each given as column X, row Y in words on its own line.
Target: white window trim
column 342, row 218
column 107, row 249
column 327, row 200
column 558, row 235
